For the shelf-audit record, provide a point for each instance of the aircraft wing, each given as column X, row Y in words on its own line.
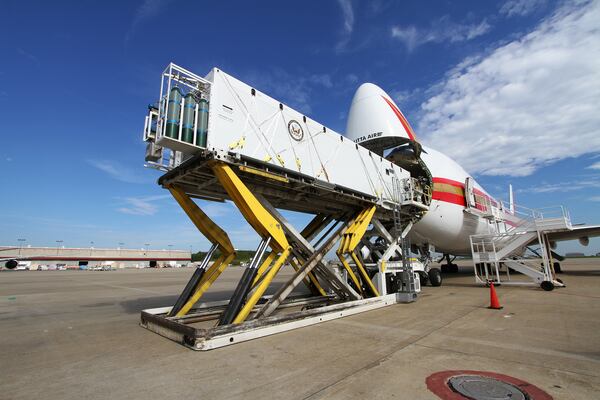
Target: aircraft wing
column 578, row 231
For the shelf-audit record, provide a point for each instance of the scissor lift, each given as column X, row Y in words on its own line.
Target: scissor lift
column 344, row 204
column 249, row 313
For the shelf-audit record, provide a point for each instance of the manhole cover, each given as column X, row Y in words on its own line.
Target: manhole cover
column 483, row 388
column 482, row 385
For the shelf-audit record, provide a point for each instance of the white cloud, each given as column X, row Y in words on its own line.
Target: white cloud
column 28, row 55
column 564, row 187
column 146, row 11
column 321, row 79
column 595, row 165
column 442, row 30
column 521, row 7
column 216, row 210
column 525, row 104
column 348, row 24
column 147, row 205
column 118, row 171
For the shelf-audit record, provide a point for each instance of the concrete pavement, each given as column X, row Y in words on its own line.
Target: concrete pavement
column 75, row 334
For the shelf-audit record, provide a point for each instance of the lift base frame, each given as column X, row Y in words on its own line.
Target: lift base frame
column 180, row 330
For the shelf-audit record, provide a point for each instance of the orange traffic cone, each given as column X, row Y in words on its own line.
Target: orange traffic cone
column 494, row 303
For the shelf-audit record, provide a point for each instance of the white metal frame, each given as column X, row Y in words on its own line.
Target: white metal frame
column 176, row 75
column 488, row 254
column 250, row 330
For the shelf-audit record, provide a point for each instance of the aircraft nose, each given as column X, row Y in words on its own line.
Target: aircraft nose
column 375, row 121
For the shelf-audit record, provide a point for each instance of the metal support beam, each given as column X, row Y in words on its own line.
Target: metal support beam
column 193, row 282
column 268, row 228
column 207, row 280
column 313, row 228
column 311, row 263
column 352, row 237
column 202, row 278
column 244, row 285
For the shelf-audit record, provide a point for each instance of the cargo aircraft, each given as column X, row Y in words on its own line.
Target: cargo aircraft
column 460, row 207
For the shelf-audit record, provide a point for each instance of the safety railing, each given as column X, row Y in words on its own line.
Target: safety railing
column 411, row 191
column 493, row 246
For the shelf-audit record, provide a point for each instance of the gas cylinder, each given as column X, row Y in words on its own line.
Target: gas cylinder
column 189, row 109
column 202, row 123
column 173, row 113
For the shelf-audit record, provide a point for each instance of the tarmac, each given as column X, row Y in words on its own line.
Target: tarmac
column 76, row 334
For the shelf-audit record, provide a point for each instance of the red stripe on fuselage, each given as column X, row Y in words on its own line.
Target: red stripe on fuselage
column 403, row 120
column 448, row 182
column 449, row 198
column 462, row 186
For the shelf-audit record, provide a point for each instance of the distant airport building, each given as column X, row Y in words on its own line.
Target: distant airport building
column 574, row 255
column 35, row 258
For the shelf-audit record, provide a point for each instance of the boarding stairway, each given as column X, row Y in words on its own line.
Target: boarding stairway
column 507, row 246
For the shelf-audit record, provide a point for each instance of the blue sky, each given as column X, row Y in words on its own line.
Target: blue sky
column 510, row 89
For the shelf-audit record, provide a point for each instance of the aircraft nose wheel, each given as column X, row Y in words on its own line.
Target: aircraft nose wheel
column 435, row 277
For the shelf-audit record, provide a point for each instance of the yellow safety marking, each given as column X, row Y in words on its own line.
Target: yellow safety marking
column 245, row 311
column 354, row 233
column 254, row 212
column 263, row 267
column 383, row 265
column 298, row 163
column 360, row 228
column 212, row 274
column 364, row 275
column 350, row 239
column 239, row 143
column 267, row 158
column 214, row 234
column 265, row 174
column 281, row 161
column 204, row 224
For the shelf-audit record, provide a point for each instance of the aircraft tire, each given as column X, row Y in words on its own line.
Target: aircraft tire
column 11, row 264
column 453, row 268
column 435, row 277
column 547, row 286
column 557, row 268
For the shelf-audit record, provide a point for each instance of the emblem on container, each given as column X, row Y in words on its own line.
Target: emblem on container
column 295, row 130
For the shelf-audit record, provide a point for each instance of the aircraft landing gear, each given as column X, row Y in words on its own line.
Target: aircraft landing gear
column 449, row 267
column 423, row 278
column 557, row 268
column 435, row 277
column 431, row 276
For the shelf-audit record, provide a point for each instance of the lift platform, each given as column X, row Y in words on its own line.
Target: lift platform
column 219, row 139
